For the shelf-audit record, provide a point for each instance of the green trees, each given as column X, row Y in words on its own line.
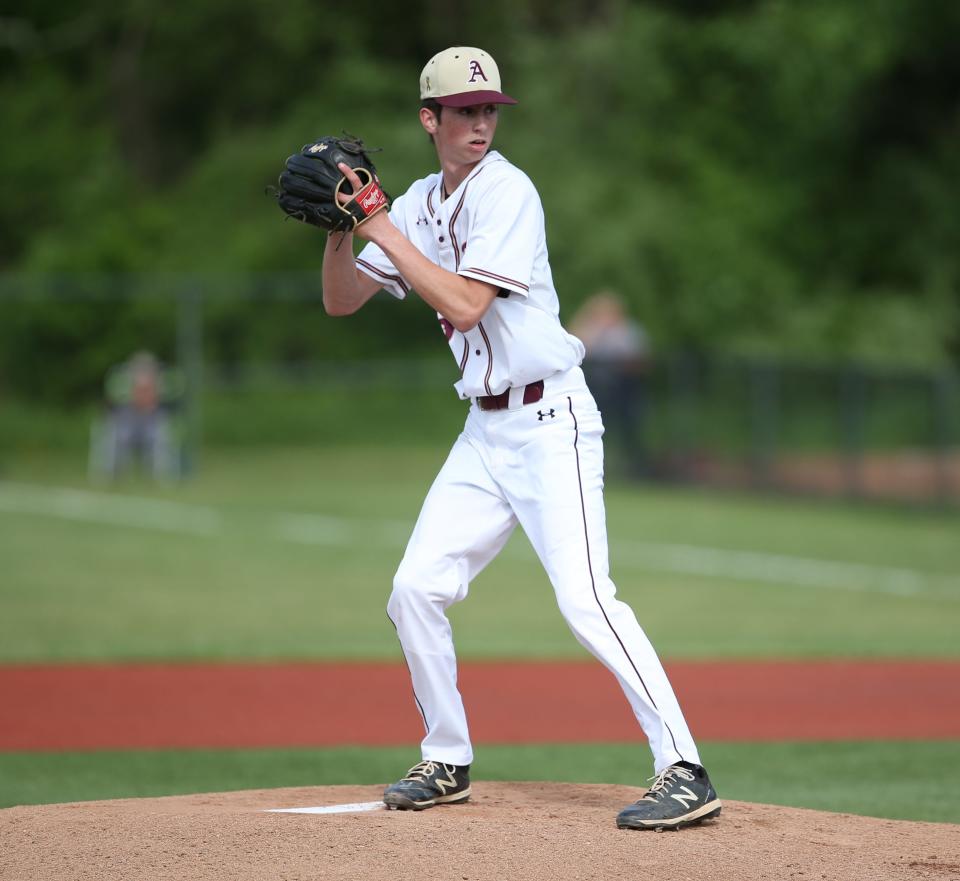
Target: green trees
column 759, row 176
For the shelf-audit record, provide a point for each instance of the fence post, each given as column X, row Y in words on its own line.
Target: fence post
column 682, row 384
column 851, row 427
column 190, row 356
column 944, row 390
column 764, row 406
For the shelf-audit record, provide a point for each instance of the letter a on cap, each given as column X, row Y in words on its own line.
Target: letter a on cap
column 475, row 71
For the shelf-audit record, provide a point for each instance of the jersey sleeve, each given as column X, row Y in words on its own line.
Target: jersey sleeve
column 504, row 239
column 373, row 262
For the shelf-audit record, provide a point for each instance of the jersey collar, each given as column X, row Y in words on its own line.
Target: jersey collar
column 492, row 156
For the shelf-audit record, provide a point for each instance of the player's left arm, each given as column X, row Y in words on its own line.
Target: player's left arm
column 462, row 301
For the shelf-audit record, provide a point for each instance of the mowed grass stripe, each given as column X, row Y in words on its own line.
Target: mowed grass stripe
column 337, row 531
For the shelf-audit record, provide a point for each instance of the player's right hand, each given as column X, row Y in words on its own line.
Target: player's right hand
column 365, row 229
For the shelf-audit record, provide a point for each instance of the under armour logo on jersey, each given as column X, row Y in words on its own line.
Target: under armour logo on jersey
column 551, row 413
column 422, row 221
column 476, row 71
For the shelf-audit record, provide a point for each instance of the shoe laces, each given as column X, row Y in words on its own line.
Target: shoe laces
column 662, row 780
column 422, row 771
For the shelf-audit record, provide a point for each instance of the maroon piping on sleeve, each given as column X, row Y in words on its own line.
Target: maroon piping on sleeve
column 498, row 278
column 381, row 274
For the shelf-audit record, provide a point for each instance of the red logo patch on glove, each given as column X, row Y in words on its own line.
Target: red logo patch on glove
column 371, row 198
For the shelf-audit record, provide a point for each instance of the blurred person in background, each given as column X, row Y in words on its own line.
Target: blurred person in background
column 616, row 363
column 138, row 428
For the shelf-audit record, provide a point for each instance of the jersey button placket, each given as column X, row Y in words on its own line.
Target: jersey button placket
column 442, row 244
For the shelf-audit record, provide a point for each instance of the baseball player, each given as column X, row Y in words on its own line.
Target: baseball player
column 469, row 240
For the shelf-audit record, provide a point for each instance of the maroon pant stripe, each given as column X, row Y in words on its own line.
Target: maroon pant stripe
column 423, row 715
column 593, row 583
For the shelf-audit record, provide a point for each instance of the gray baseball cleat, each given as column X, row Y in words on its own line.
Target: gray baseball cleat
column 428, row 784
column 681, row 795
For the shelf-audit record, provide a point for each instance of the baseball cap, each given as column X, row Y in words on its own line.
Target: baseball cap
column 461, row 76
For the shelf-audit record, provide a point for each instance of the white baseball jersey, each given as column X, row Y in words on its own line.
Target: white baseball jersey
column 490, row 228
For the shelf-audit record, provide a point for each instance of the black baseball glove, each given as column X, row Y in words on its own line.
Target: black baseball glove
column 311, row 182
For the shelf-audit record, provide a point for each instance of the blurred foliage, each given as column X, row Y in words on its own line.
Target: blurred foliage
column 761, row 177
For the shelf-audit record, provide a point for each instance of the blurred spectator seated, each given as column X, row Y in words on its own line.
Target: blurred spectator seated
column 140, row 426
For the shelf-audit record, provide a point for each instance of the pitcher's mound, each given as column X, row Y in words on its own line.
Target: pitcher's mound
column 528, row 831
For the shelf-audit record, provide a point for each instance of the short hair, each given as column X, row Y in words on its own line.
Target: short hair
column 433, row 105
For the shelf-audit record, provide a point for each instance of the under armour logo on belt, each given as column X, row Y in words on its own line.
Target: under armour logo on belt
column 540, row 414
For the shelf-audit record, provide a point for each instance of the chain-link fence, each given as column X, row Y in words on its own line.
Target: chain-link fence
column 835, row 429
column 258, row 362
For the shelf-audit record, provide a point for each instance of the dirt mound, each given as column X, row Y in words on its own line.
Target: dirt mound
column 528, row 831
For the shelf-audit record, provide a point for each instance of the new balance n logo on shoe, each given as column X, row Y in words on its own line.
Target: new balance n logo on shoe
column 450, row 783
column 687, row 798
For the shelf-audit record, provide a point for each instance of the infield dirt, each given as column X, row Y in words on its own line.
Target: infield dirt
column 530, row 831
column 158, row 706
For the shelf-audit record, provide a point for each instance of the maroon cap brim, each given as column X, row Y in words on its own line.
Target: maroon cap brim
column 469, row 99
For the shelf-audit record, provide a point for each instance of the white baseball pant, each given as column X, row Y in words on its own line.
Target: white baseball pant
column 539, row 465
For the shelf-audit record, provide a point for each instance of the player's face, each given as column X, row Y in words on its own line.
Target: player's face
column 466, row 133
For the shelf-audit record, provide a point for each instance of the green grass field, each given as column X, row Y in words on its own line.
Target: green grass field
column 288, row 553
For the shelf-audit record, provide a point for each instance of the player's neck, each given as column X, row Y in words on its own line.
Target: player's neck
column 454, row 174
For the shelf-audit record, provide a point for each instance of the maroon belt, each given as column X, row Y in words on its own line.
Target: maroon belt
column 531, row 394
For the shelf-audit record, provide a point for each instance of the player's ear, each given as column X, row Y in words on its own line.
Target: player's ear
column 429, row 120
